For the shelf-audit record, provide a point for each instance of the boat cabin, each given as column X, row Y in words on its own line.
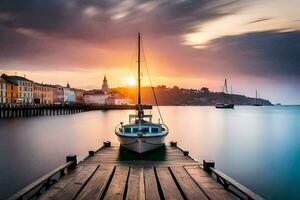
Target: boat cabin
column 146, row 128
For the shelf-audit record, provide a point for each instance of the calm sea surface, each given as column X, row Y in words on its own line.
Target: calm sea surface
column 257, row 146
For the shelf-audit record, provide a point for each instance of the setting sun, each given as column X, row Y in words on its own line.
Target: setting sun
column 131, row 81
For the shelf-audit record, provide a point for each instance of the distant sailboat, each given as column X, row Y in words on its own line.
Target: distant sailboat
column 225, row 104
column 256, row 100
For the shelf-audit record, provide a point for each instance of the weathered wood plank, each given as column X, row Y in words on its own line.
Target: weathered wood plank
column 187, row 185
column 167, row 184
column 61, row 184
column 71, row 190
column 135, row 184
column 151, row 188
column 96, row 185
column 69, row 186
column 144, row 163
column 210, row 187
column 116, row 189
column 219, row 194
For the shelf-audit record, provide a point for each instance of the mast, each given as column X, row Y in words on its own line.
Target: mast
column 139, row 106
column 255, row 96
column 139, row 69
column 226, row 91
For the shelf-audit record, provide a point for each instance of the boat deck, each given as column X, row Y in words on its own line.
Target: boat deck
column 114, row 173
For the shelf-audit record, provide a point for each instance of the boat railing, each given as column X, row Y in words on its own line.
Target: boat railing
column 165, row 129
column 118, row 128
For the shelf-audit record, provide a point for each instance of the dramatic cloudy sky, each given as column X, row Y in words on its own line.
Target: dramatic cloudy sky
column 189, row 43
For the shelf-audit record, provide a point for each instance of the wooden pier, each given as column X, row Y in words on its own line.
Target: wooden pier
column 16, row 111
column 116, row 173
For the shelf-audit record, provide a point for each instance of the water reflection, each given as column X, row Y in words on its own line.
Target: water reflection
column 258, row 146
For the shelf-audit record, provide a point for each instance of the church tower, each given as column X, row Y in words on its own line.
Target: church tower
column 105, row 85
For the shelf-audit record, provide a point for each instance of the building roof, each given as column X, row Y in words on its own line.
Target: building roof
column 94, row 92
column 8, row 79
column 19, row 78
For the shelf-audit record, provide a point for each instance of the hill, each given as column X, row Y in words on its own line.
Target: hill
column 181, row 96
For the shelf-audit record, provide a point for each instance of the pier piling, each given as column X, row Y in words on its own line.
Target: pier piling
column 91, row 153
column 72, row 158
column 107, row 144
column 173, row 144
column 207, row 164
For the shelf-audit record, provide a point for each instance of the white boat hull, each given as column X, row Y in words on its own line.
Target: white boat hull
column 142, row 144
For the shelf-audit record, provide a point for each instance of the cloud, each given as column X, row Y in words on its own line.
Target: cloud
column 259, row 20
column 236, row 38
column 53, row 33
column 269, row 54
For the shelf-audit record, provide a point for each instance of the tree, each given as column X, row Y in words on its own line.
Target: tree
column 205, row 90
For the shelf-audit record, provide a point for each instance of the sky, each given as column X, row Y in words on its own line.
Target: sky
column 255, row 44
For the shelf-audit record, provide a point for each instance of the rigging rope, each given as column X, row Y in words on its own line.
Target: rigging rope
column 154, row 95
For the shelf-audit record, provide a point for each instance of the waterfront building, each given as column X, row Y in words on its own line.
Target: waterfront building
column 105, row 85
column 24, row 87
column 11, row 90
column 59, row 94
column 117, row 99
column 2, row 91
column 44, row 93
column 97, row 97
column 69, row 94
column 78, row 95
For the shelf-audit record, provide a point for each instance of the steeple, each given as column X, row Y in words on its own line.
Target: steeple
column 105, row 85
column 68, row 85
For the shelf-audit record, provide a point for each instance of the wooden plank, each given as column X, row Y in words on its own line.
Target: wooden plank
column 63, row 182
column 187, row 185
column 210, row 187
column 167, row 184
column 202, row 178
column 116, row 189
column 144, row 163
column 219, row 194
column 151, row 188
column 136, row 184
column 71, row 189
column 96, row 185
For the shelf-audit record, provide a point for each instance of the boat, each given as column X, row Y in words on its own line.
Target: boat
column 226, row 105
column 256, row 100
column 141, row 134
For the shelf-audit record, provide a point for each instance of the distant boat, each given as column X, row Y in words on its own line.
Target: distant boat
column 256, row 100
column 141, row 135
column 226, row 104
